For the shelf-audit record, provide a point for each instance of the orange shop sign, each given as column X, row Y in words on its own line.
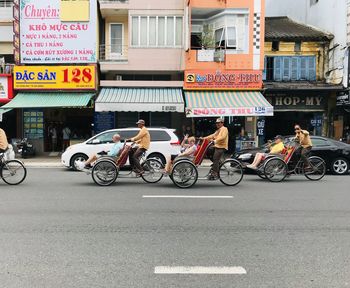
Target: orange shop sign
column 226, row 80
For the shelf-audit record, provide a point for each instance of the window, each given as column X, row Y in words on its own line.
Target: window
column 103, row 138
column 231, row 36
column 297, row 46
column 295, row 68
column 156, row 31
column 116, row 38
column 226, row 37
column 275, row 45
column 159, row 135
column 318, row 142
column 219, row 38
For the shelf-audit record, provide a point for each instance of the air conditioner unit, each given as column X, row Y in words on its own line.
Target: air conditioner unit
column 197, row 29
column 118, row 77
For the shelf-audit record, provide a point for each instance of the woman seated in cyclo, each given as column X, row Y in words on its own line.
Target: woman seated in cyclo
column 275, row 149
column 111, row 153
column 187, row 151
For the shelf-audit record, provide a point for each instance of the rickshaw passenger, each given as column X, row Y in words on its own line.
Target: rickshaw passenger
column 112, row 153
column 187, row 151
column 276, row 148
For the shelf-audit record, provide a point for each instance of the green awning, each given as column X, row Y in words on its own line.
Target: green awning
column 226, row 103
column 140, row 100
column 47, row 100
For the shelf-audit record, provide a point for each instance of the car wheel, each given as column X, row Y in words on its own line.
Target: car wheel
column 75, row 158
column 340, row 166
column 158, row 156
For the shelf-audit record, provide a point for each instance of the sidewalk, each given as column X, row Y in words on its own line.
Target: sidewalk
column 55, row 162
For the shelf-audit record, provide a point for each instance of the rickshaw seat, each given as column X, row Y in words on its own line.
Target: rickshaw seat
column 123, row 157
column 288, row 154
column 200, row 153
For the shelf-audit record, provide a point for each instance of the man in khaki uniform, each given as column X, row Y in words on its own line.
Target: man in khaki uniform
column 143, row 139
column 220, row 138
column 3, row 141
column 304, row 140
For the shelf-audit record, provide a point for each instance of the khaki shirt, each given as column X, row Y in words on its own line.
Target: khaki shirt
column 304, row 139
column 220, row 137
column 3, row 140
column 143, row 138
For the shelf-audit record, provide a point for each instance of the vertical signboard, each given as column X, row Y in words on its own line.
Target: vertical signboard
column 51, row 35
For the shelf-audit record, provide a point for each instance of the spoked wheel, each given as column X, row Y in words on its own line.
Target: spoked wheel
column 104, row 172
column 318, row 169
column 275, row 170
column 231, row 172
column 152, row 170
column 260, row 172
column 13, row 172
column 184, row 174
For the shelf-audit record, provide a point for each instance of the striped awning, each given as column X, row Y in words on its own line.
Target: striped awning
column 226, row 103
column 47, row 100
column 140, row 100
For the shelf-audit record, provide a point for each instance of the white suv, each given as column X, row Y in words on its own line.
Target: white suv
column 164, row 142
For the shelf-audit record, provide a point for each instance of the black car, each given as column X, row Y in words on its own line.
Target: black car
column 335, row 153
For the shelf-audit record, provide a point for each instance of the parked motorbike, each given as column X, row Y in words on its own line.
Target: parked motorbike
column 25, row 148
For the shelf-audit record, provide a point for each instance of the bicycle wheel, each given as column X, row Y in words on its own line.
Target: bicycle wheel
column 152, row 170
column 104, row 172
column 275, row 170
column 184, row 174
column 13, row 172
column 230, row 172
column 318, row 169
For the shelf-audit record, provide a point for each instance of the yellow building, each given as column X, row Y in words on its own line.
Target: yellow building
column 296, row 59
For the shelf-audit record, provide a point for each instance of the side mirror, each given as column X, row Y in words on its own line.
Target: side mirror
column 96, row 141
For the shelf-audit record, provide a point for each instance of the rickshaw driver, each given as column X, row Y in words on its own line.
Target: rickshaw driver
column 220, row 139
column 143, row 140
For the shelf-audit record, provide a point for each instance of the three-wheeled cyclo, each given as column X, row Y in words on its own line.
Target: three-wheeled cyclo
column 184, row 173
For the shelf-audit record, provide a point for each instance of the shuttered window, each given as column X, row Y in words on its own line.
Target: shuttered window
column 298, row 68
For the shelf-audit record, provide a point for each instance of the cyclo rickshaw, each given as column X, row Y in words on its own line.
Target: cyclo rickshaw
column 184, row 173
column 106, row 169
column 276, row 168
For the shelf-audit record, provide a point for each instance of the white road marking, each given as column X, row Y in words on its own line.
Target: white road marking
column 187, row 196
column 199, row 270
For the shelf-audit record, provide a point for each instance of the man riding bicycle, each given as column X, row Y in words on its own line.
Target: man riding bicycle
column 143, row 139
column 303, row 137
column 220, row 139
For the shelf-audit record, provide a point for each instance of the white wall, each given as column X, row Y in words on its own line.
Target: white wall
column 327, row 15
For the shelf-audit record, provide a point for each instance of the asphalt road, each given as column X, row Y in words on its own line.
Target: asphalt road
column 58, row 229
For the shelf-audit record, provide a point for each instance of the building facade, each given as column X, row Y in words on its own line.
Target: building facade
column 224, row 63
column 331, row 17
column 55, row 77
column 141, row 63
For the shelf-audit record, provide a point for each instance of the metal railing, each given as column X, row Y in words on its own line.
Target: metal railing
column 6, row 68
column 113, row 53
column 6, row 3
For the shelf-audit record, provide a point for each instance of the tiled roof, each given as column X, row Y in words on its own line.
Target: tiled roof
column 283, row 28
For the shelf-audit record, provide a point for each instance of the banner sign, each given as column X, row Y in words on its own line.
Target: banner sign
column 6, row 89
column 55, row 77
column 46, row 37
column 221, row 112
column 260, row 125
column 225, row 80
column 297, row 102
column 343, row 98
column 103, row 121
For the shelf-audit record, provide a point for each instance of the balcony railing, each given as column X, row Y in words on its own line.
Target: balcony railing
column 6, row 3
column 6, row 68
column 117, row 53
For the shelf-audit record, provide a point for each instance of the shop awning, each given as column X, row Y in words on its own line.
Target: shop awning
column 47, row 100
column 2, row 112
column 140, row 100
column 226, row 103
